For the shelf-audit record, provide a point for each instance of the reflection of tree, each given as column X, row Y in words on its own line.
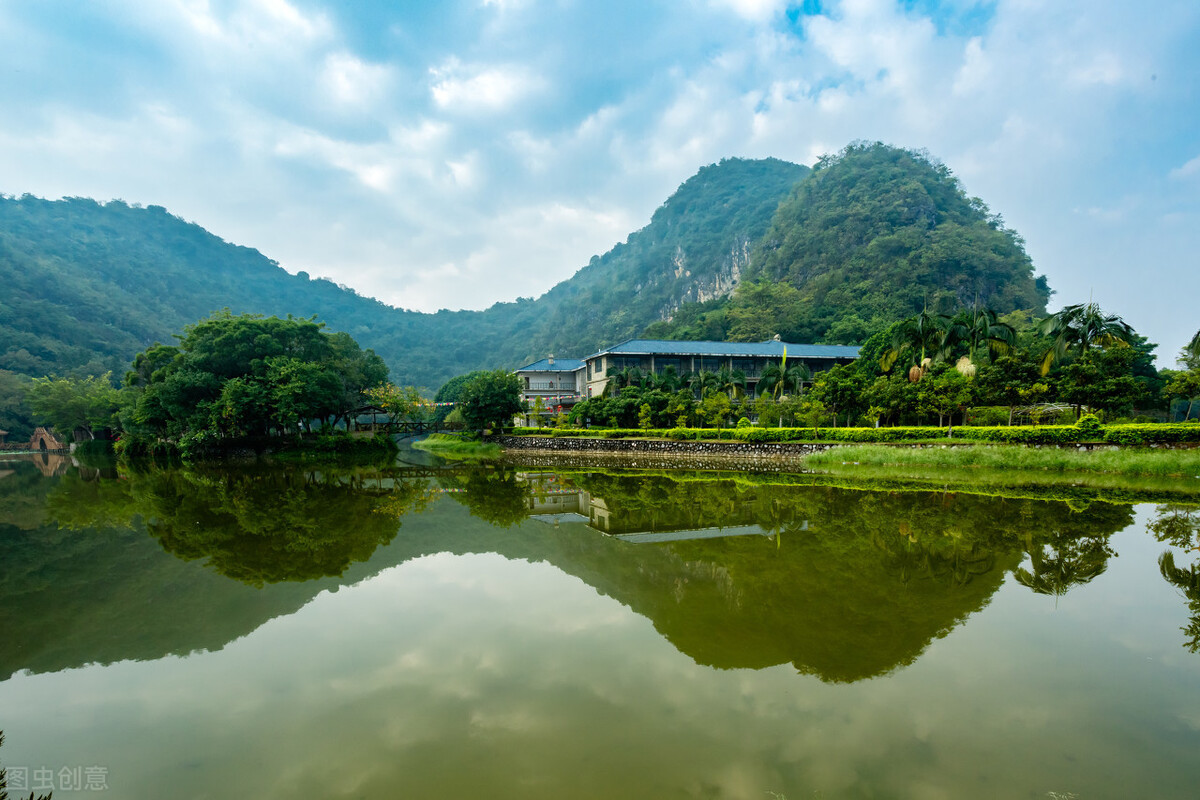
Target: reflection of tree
column 1188, row 582
column 1179, row 526
column 1064, row 561
column 258, row 526
column 1176, row 525
column 874, row 578
column 493, row 494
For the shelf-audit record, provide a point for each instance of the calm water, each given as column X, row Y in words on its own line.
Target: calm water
column 489, row 632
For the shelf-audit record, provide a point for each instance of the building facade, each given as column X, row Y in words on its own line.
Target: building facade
column 556, row 382
column 658, row 356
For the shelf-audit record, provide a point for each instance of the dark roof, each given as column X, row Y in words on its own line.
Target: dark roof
column 559, row 365
column 769, row 348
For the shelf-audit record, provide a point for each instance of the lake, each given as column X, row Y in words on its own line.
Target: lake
column 428, row 629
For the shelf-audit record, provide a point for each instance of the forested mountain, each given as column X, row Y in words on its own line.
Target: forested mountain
column 874, row 234
column 869, row 236
column 88, row 285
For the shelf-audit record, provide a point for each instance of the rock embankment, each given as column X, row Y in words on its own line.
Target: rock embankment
column 659, row 452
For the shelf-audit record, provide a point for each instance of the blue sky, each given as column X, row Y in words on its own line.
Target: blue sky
column 451, row 155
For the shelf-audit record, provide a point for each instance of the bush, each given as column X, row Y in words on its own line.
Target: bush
column 1088, row 430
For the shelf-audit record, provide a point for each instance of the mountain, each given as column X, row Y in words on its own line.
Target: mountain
column 871, row 235
column 743, row 250
column 89, row 285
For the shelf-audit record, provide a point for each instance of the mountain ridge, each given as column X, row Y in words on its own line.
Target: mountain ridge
column 730, row 255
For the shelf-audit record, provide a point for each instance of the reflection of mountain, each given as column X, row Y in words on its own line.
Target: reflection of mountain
column 856, row 583
column 871, row 582
column 100, row 589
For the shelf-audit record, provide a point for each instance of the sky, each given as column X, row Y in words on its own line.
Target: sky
column 452, row 155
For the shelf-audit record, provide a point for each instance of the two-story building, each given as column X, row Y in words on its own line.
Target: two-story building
column 557, row 382
column 657, row 356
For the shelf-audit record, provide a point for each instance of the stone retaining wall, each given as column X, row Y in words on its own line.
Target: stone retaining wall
column 657, row 452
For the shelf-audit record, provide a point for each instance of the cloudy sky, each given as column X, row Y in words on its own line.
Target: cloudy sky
column 449, row 155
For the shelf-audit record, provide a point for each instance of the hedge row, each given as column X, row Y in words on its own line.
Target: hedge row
column 1138, row 434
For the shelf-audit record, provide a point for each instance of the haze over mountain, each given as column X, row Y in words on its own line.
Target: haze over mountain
column 869, row 237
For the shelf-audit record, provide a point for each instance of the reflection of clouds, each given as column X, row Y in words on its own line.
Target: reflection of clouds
column 474, row 675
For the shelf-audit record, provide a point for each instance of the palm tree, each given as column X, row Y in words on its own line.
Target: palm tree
column 782, row 377
column 1081, row 327
column 703, row 380
column 731, row 381
column 925, row 338
column 980, row 327
column 1192, row 348
column 668, row 380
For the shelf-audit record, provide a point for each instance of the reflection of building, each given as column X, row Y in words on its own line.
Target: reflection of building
column 558, row 383
column 554, row 500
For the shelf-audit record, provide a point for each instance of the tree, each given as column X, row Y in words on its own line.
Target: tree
column 1191, row 352
column 716, row 409
column 74, row 404
column 1079, row 328
column 731, row 381
column 491, row 399
column 1100, row 379
column 921, row 339
column 1182, row 386
column 1005, row 382
column 948, row 392
column 980, row 327
column 15, row 415
column 402, row 403
column 247, row 374
column 840, row 388
column 784, row 377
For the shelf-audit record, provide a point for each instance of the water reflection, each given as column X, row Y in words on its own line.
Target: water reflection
column 1179, row 527
column 735, row 571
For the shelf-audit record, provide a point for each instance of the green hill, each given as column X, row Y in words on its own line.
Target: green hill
column 865, row 238
column 88, row 285
column 872, row 235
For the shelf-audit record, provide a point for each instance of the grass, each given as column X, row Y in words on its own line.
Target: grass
column 450, row 446
column 1126, row 461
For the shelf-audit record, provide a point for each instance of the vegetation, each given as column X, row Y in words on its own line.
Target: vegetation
column 491, row 400
column 872, row 235
column 89, row 285
column 1181, row 463
column 454, row 447
column 4, row 780
column 237, row 376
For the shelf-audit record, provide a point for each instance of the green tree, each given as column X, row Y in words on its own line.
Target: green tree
column 1078, row 328
column 402, row 403
column 1191, row 352
column 16, row 416
column 979, row 328
column 716, row 408
column 75, row 404
column 917, row 342
column 491, row 399
column 784, row 377
column 947, row 392
column 840, row 388
column 1101, row 379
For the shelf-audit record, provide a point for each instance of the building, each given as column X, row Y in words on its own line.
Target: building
column 558, row 383
column 657, row 356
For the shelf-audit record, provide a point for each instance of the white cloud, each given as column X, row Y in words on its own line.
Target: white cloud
column 352, row 82
column 457, row 87
column 400, row 157
column 1187, row 170
column 755, row 10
